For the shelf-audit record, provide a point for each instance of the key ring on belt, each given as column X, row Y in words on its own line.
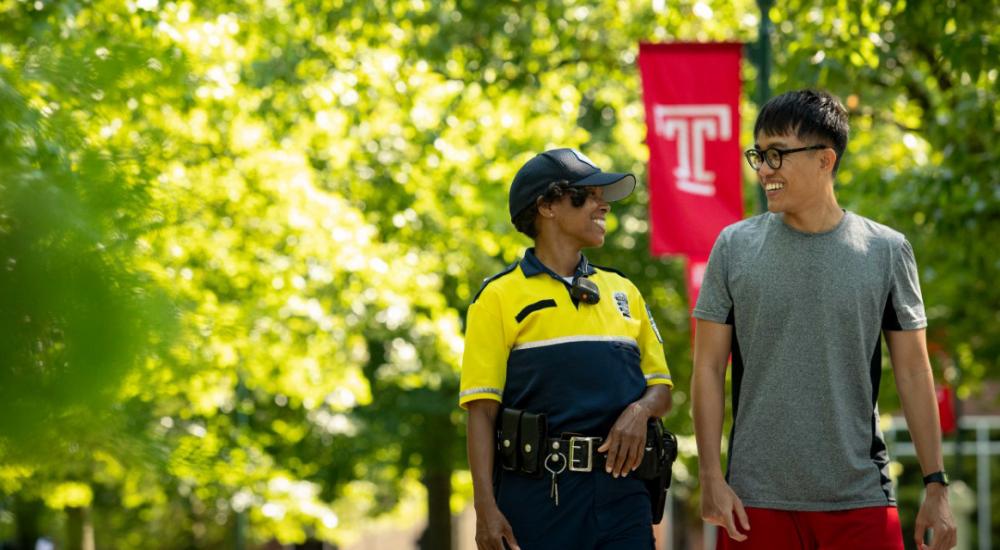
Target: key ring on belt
column 558, row 458
column 554, row 491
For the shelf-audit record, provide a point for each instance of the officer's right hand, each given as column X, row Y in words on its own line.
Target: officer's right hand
column 492, row 529
column 721, row 506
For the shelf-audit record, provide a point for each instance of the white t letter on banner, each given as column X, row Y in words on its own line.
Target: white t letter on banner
column 690, row 126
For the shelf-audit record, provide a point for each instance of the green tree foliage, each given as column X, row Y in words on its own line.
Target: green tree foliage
column 316, row 189
column 77, row 313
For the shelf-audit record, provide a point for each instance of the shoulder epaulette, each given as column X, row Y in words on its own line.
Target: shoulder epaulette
column 611, row 269
column 492, row 278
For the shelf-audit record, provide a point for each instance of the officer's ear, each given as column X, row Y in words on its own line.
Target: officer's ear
column 545, row 209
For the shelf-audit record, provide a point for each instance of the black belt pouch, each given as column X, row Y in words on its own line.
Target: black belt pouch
column 509, row 441
column 657, row 473
column 653, row 458
column 533, row 428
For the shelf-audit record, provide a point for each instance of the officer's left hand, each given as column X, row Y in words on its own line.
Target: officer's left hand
column 626, row 441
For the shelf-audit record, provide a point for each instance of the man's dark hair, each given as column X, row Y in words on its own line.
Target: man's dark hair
column 808, row 114
column 525, row 221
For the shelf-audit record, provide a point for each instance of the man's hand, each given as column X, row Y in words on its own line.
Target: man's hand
column 720, row 506
column 626, row 441
column 492, row 529
column 935, row 514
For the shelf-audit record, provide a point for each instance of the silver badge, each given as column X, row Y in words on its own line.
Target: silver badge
column 622, row 301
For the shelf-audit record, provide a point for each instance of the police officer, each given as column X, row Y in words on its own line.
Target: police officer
column 556, row 337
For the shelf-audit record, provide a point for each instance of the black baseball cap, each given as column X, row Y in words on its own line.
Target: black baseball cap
column 534, row 178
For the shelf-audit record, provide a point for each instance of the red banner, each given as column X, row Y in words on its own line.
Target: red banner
column 692, row 94
column 694, row 272
column 946, row 410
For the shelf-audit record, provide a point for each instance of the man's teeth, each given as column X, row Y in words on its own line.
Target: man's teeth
column 599, row 222
column 773, row 186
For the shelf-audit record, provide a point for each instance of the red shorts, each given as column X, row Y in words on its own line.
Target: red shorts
column 858, row 529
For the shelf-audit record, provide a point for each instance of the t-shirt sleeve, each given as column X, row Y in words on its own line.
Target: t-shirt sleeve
column 905, row 305
column 653, row 362
column 714, row 300
column 484, row 361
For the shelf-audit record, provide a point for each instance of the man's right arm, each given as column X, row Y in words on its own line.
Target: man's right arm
column 491, row 525
column 719, row 504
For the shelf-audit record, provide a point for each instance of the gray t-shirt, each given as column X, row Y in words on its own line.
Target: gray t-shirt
column 807, row 312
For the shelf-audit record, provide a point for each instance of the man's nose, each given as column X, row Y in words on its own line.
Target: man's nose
column 765, row 170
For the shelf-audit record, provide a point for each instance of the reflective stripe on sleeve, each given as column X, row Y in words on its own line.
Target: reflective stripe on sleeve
column 473, row 391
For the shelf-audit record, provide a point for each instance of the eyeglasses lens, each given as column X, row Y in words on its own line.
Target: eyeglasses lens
column 773, row 158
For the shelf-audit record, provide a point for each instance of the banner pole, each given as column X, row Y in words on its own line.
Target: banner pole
column 763, row 72
column 242, row 421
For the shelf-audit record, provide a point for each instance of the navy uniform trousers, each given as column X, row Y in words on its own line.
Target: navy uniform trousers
column 595, row 512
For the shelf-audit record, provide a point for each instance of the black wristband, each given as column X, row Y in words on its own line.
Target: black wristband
column 936, row 477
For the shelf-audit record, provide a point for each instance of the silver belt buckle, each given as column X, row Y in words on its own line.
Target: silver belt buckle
column 588, row 451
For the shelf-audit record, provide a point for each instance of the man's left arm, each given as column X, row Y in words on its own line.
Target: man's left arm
column 915, row 384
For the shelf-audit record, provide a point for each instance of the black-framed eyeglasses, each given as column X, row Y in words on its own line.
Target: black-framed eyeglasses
column 773, row 156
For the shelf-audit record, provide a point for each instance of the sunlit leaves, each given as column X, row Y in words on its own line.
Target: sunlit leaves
column 318, row 188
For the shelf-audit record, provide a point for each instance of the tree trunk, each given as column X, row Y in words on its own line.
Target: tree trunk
column 79, row 529
column 26, row 513
column 439, row 440
column 437, row 535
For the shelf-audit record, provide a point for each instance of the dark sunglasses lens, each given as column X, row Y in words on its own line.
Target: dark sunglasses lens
column 579, row 195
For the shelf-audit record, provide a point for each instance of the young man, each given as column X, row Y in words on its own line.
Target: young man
column 555, row 335
column 799, row 296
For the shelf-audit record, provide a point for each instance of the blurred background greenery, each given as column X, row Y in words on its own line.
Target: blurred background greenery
column 238, row 239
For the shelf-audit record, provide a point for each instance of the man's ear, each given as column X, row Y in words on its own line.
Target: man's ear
column 828, row 158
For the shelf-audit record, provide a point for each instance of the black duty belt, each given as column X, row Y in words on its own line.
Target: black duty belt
column 577, row 452
column 524, row 448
